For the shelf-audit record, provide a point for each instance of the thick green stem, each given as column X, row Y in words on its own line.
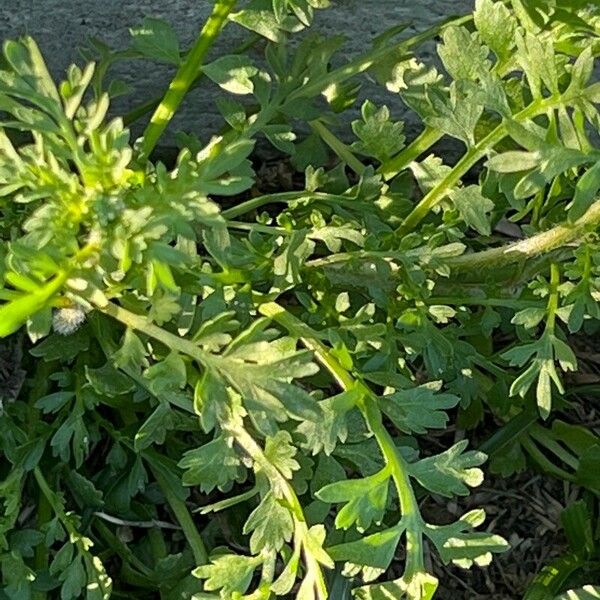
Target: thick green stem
column 143, row 109
column 186, row 75
column 418, row 146
column 341, row 149
column 468, row 161
column 539, row 244
column 341, row 257
column 428, row 137
column 373, row 417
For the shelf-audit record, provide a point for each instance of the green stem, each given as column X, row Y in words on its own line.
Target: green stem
column 543, row 462
column 157, row 544
column 469, row 160
column 44, row 514
column 122, row 549
column 268, row 229
column 502, row 302
column 553, row 298
column 373, row 417
column 143, row 325
column 55, row 503
column 510, row 432
column 342, row 257
column 428, row 137
column 183, row 516
column 228, row 502
column 150, row 105
column 41, row 557
column 278, row 481
column 186, row 75
column 283, row 197
column 418, row 146
column 341, row 149
column 542, row 436
column 542, row 243
column 363, row 63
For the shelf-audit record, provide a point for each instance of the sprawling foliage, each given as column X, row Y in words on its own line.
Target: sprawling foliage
column 210, row 391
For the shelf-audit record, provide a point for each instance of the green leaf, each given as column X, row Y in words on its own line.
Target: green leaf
column 167, row 377
column 529, row 317
column 280, row 452
column 587, row 592
column 577, row 523
column 157, row 40
column 54, row 402
column 229, row 573
column 418, row 409
column 463, row 55
column 285, row 582
column 232, row 73
column 581, row 73
column 429, row 172
column 131, row 354
column 378, row 135
column 542, row 369
column 25, row 59
column 271, row 525
column 211, row 400
column 74, row 580
column 587, row 471
column 455, row 113
column 213, row 465
column 364, row 500
column 496, row 26
column 137, row 477
column 513, row 162
column 313, row 542
column 459, row 544
column 261, row 372
column 107, row 381
column 474, row 208
column 376, row 550
column 323, row 434
column 14, row 314
column 421, row 586
column 536, row 57
column 450, row 472
column 84, row 491
column 586, row 192
column 155, row 428
column 262, row 22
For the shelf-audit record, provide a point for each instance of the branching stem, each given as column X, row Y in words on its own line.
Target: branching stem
column 469, row 160
column 539, row 244
column 373, row 417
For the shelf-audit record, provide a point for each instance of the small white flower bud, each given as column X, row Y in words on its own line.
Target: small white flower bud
column 67, row 320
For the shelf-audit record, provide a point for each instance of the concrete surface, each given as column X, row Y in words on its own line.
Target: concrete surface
column 61, row 26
